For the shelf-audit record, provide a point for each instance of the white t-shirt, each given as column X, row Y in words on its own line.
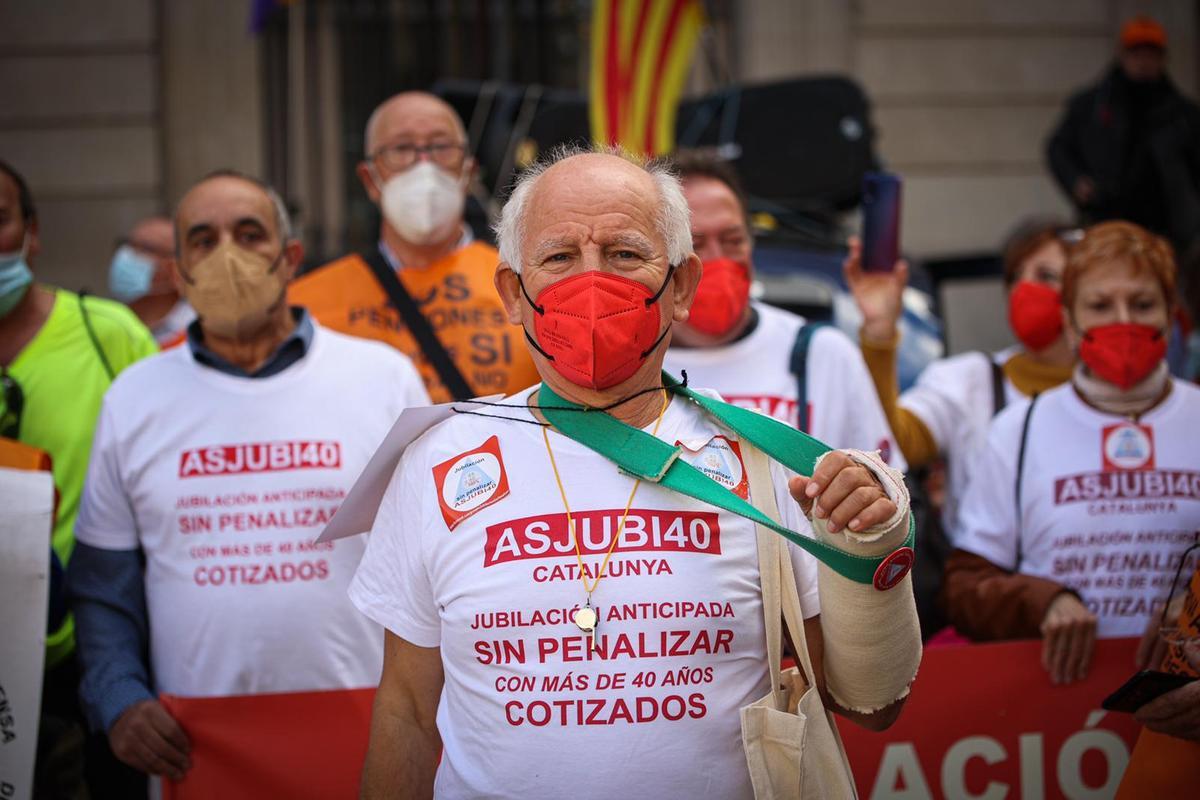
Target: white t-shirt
column 1107, row 506
column 224, row 483
column 954, row 398
column 470, row 553
column 755, row 372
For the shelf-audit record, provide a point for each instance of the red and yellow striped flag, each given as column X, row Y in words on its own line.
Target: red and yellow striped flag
column 641, row 50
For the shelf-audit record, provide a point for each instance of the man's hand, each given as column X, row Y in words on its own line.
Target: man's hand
column 846, row 492
column 879, row 295
column 1176, row 713
column 1068, row 639
column 146, row 737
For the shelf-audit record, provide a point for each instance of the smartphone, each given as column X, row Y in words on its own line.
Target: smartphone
column 881, row 221
column 1142, row 688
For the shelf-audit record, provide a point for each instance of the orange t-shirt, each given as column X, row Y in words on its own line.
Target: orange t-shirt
column 457, row 296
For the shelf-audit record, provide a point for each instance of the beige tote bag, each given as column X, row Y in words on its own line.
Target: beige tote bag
column 792, row 746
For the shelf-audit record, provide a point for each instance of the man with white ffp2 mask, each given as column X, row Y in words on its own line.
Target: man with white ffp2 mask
column 426, row 289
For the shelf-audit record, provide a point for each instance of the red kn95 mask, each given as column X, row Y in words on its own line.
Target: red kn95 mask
column 721, row 297
column 596, row 329
column 1123, row 353
column 1035, row 314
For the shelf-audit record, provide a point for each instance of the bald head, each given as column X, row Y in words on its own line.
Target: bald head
column 232, row 205
column 233, row 184
column 597, row 212
column 153, row 235
column 599, row 172
column 587, row 182
column 415, row 116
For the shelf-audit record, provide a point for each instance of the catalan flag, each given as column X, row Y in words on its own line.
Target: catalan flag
column 641, row 50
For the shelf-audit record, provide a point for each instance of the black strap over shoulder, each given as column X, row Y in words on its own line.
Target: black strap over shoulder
column 799, row 368
column 91, row 332
column 1021, row 467
column 418, row 325
column 999, row 400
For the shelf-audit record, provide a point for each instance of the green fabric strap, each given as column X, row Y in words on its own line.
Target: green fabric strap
column 649, row 458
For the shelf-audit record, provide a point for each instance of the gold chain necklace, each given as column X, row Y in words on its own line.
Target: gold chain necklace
column 586, row 617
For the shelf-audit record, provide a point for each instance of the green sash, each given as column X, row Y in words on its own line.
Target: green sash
column 647, row 457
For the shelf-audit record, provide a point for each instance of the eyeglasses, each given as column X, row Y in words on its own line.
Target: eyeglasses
column 1169, row 632
column 396, row 157
column 14, row 404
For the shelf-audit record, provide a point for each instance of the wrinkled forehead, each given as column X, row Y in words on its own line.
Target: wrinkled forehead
column 589, row 195
column 222, row 203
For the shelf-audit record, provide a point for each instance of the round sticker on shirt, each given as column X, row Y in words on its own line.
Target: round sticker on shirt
column 720, row 459
column 470, row 481
column 1128, row 446
column 893, row 568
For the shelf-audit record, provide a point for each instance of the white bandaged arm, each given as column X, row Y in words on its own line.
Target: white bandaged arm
column 872, row 637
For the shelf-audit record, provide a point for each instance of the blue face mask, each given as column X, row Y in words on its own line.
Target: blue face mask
column 130, row 274
column 15, row 278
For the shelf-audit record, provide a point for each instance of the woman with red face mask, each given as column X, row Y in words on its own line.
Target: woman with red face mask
column 1084, row 499
column 947, row 412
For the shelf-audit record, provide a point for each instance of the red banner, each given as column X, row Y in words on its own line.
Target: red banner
column 984, row 721
column 308, row 744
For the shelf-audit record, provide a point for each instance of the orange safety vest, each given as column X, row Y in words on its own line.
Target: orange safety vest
column 457, row 296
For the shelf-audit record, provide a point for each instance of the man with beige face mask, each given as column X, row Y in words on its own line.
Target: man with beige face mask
column 426, row 288
column 214, row 468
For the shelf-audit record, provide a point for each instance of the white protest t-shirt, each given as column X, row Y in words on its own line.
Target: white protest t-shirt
column 755, row 372
column 225, row 483
column 1108, row 506
column 954, row 398
column 470, row 553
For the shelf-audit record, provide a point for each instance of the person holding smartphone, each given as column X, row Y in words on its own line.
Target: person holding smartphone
column 1084, row 499
column 800, row 371
column 947, row 412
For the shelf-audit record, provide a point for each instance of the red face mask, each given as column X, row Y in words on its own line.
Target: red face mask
column 721, row 297
column 1123, row 353
column 596, row 329
column 1035, row 314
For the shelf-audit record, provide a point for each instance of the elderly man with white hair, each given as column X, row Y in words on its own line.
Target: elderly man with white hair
column 573, row 605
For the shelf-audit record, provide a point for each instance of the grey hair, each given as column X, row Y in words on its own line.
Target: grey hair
column 283, row 218
column 672, row 216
